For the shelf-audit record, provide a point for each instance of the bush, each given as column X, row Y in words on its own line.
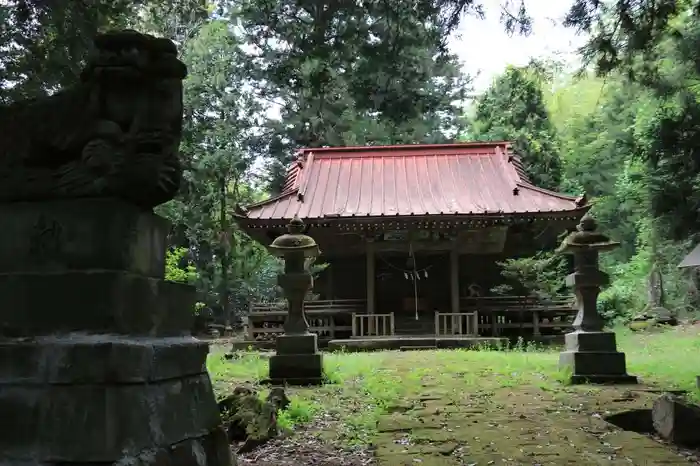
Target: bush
column 174, row 271
column 542, row 274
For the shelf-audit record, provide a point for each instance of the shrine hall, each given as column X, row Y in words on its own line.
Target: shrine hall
column 413, row 236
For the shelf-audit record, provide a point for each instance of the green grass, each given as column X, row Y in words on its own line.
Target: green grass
column 299, row 412
column 668, row 358
column 364, row 386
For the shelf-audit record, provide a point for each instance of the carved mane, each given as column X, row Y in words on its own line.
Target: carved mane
column 49, row 125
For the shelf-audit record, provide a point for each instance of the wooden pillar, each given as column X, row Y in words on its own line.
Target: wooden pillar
column 371, row 272
column 536, row 323
column 454, row 279
column 371, row 281
column 330, row 293
column 454, row 287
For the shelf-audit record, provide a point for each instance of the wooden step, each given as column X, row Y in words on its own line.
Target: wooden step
column 427, row 330
column 416, row 348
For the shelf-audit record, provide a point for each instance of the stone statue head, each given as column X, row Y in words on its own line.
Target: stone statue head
column 137, row 80
column 136, row 95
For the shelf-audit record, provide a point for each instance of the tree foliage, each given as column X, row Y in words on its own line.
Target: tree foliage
column 628, row 140
column 219, row 150
column 635, row 152
column 539, row 275
column 621, row 30
column 44, row 44
column 513, row 109
column 349, row 73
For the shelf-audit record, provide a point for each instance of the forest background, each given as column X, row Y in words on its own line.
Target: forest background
column 624, row 128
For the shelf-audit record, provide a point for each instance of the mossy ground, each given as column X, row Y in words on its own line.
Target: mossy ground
column 483, row 407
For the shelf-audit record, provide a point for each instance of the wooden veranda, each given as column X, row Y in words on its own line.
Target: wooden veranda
column 340, row 322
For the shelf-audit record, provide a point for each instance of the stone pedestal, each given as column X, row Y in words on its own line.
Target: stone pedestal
column 590, row 353
column 298, row 361
column 96, row 362
column 592, row 357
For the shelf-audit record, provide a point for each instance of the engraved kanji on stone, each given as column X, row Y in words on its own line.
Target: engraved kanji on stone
column 46, row 238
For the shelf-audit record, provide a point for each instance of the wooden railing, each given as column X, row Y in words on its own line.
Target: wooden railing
column 514, row 302
column 463, row 323
column 366, row 325
column 325, row 317
column 497, row 313
column 321, row 306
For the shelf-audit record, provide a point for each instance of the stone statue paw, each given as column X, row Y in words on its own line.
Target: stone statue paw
column 98, row 156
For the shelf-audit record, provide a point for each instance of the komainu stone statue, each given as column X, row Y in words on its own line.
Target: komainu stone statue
column 97, row 361
column 114, row 134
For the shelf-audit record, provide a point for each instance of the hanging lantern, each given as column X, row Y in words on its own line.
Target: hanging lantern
column 425, row 273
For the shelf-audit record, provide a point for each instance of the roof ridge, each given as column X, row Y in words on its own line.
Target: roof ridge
column 532, row 187
column 272, row 199
column 506, row 160
column 373, row 151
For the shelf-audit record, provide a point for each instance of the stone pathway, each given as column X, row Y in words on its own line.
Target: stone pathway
column 520, row 426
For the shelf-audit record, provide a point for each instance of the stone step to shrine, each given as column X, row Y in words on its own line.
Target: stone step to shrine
column 397, row 342
column 417, row 348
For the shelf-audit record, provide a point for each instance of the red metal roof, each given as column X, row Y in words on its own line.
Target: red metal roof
column 438, row 179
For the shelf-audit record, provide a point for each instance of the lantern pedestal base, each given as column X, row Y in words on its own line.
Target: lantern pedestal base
column 297, row 361
column 592, row 357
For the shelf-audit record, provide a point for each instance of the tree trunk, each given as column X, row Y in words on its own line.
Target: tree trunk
column 224, row 258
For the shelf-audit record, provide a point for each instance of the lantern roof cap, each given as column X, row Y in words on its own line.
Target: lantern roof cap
column 294, row 240
column 586, row 237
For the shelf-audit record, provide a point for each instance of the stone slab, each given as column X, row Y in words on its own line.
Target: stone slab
column 623, row 379
column 596, row 367
column 590, row 341
column 296, row 369
column 103, row 423
column 590, row 363
column 81, row 234
column 94, row 301
column 98, row 359
column 297, row 344
column 676, row 420
column 212, row 449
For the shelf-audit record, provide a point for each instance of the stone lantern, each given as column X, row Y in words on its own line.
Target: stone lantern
column 297, row 360
column 590, row 353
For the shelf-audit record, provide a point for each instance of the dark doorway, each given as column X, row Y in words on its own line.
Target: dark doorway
column 402, row 278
